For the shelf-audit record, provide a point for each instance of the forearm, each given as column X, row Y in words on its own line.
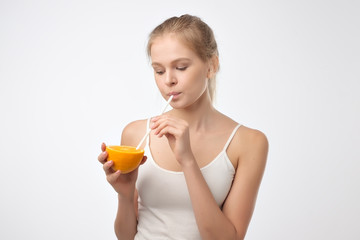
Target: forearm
column 125, row 222
column 211, row 221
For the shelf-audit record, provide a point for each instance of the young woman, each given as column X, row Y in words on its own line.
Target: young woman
column 203, row 170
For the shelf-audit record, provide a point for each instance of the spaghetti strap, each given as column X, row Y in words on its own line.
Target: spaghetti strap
column 231, row 137
column 147, row 129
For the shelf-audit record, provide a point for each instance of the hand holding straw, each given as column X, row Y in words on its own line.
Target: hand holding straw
column 148, row 131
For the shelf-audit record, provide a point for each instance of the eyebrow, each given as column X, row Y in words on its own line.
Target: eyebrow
column 172, row 62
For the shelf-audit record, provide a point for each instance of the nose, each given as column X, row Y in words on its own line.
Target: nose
column 170, row 78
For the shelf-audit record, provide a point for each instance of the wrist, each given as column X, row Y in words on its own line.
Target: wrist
column 126, row 199
column 188, row 162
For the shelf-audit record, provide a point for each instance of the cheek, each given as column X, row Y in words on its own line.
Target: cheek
column 201, row 79
column 158, row 79
column 160, row 85
column 196, row 83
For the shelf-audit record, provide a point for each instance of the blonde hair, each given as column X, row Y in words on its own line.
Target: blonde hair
column 196, row 34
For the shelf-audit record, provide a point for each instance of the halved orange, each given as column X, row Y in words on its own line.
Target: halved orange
column 125, row 158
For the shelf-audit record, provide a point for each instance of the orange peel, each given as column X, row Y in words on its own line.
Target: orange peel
column 125, row 158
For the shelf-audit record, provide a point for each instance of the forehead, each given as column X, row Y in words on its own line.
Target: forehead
column 168, row 47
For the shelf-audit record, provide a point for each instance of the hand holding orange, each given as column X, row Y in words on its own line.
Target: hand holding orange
column 125, row 158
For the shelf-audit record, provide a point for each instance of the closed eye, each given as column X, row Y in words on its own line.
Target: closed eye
column 181, row 68
column 159, row 71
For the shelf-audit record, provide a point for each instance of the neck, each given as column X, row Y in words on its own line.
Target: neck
column 199, row 115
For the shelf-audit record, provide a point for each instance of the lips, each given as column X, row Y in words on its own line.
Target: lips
column 175, row 94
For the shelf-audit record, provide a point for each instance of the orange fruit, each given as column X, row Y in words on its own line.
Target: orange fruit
column 125, row 158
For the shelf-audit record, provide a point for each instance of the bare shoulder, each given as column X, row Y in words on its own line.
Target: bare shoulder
column 252, row 139
column 249, row 145
column 253, row 146
column 133, row 132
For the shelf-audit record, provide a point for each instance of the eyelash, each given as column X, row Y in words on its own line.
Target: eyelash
column 177, row 68
column 181, row 68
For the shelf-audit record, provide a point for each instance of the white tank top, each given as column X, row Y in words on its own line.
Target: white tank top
column 165, row 210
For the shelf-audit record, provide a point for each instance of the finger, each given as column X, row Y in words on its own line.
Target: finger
column 161, row 123
column 169, row 130
column 103, row 157
column 143, row 160
column 103, row 147
column 107, row 167
column 158, row 119
column 154, row 119
column 155, row 122
column 112, row 177
column 168, row 119
column 164, row 121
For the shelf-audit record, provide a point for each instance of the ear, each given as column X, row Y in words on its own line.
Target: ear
column 213, row 66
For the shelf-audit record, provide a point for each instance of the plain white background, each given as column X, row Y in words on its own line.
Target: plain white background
column 74, row 73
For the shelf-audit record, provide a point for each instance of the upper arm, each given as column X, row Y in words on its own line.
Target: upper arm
column 240, row 202
column 131, row 136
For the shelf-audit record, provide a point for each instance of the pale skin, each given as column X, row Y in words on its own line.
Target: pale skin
column 187, row 138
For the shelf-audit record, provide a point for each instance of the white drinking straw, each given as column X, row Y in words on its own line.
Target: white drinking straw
column 148, row 131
